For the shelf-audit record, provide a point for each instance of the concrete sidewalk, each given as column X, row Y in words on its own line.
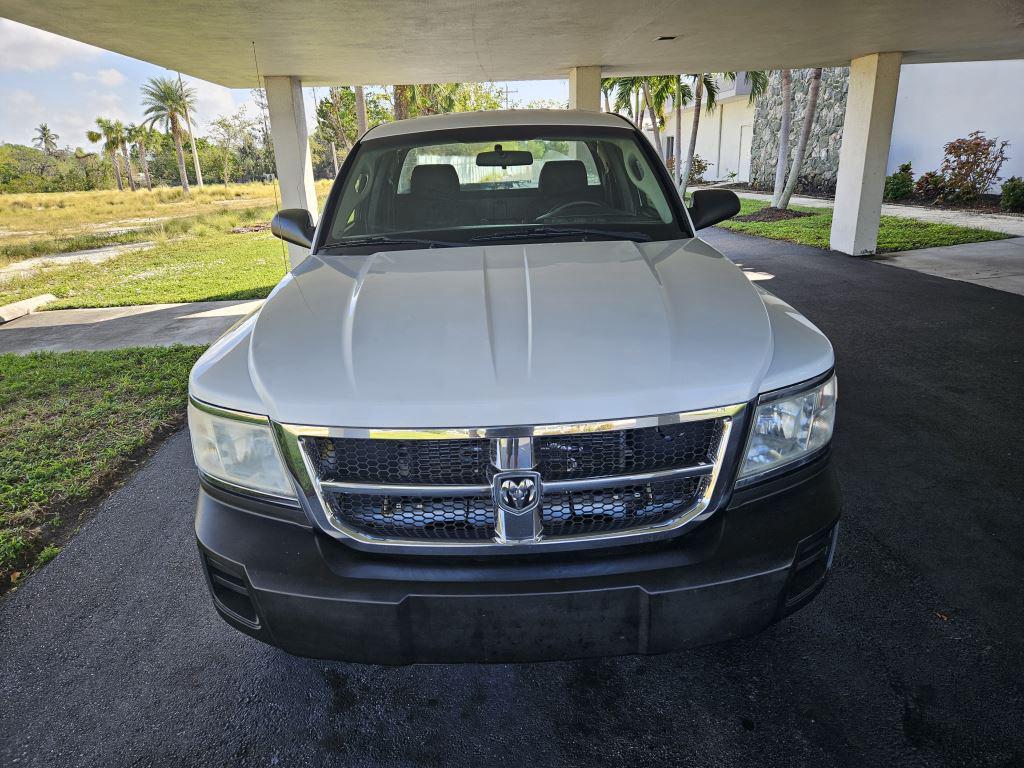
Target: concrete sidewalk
column 996, row 264
column 151, row 325
column 996, row 222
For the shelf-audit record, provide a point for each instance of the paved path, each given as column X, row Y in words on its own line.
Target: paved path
column 26, row 267
column 997, row 222
column 150, row 325
column 996, row 264
column 112, row 655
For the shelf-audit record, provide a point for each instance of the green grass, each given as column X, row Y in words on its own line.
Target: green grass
column 71, row 423
column 40, row 224
column 209, row 263
column 894, row 233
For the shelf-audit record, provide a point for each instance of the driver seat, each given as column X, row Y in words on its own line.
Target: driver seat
column 561, row 182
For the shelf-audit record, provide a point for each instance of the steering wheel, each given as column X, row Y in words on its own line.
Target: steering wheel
column 565, row 209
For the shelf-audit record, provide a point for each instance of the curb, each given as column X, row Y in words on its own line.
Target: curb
column 24, row 307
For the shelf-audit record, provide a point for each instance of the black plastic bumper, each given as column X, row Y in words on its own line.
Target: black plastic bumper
column 764, row 556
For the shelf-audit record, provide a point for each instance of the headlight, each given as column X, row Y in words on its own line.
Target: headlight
column 240, row 451
column 789, row 428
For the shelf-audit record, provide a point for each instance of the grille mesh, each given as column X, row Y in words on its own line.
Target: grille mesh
column 401, row 462
column 628, row 451
column 619, row 508
column 442, row 518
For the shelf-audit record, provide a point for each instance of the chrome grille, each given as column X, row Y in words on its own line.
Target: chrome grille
column 447, row 488
column 627, row 451
column 603, row 510
column 434, row 518
column 400, row 462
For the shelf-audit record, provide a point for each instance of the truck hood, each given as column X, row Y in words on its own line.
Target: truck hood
column 509, row 334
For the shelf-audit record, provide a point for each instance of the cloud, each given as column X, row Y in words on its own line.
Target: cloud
column 27, row 49
column 109, row 77
column 213, row 101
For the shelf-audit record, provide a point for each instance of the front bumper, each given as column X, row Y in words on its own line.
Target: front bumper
column 763, row 556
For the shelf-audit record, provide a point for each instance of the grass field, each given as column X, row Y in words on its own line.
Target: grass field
column 71, row 424
column 47, row 223
column 208, row 263
column 894, row 233
column 195, row 258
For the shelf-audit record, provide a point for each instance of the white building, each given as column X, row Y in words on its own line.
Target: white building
column 723, row 136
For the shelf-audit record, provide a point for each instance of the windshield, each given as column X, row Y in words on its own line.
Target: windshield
column 467, row 186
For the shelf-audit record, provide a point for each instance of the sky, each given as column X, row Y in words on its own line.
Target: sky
column 45, row 78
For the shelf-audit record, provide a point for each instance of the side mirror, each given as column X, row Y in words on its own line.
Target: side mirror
column 711, row 206
column 294, row 225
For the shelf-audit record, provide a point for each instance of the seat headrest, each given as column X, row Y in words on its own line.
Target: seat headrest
column 559, row 177
column 434, row 180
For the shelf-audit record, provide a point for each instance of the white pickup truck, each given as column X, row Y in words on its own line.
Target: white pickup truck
column 512, row 408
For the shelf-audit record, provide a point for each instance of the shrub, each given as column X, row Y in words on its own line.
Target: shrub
column 697, row 169
column 1012, row 198
column 930, row 186
column 900, row 185
column 971, row 166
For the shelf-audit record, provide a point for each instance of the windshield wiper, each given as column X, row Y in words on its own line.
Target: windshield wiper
column 357, row 242
column 545, row 232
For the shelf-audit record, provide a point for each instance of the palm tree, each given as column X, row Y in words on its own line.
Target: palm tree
column 706, row 84
column 628, row 93
column 656, row 91
column 139, row 135
column 703, row 83
column 120, row 136
column 801, row 144
column 46, row 139
column 190, row 104
column 683, row 95
column 402, row 95
column 360, row 112
column 107, row 133
column 787, row 112
column 607, row 87
column 165, row 102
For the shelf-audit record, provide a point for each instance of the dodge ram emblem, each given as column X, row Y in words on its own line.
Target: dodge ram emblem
column 517, row 494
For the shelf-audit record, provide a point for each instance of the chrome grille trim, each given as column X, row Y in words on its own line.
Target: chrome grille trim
column 540, row 430
column 507, row 449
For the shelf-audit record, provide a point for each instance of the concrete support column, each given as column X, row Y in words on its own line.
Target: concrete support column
column 867, row 130
column 292, row 155
column 585, row 88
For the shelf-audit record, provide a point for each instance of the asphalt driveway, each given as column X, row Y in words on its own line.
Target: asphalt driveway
column 912, row 656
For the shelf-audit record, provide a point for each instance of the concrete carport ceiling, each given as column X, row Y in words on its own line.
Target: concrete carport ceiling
column 409, row 41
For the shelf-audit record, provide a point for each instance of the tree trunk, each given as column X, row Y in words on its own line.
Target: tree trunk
column 783, row 158
column 141, row 146
column 638, row 110
column 116, row 162
column 176, row 133
column 195, row 149
column 402, row 98
column 805, row 132
column 679, row 129
column 334, row 159
column 654, row 122
column 607, row 102
column 698, row 96
column 128, row 166
column 360, row 117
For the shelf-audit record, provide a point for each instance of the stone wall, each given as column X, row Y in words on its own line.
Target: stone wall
column 821, row 162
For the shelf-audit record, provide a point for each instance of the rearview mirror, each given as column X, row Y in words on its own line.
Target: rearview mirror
column 294, row 225
column 502, row 158
column 711, row 206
